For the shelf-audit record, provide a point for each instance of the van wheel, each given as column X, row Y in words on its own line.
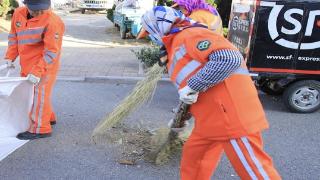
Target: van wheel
column 303, row 96
column 83, row 11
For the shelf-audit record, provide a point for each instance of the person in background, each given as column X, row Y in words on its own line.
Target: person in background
column 201, row 11
column 36, row 37
column 210, row 75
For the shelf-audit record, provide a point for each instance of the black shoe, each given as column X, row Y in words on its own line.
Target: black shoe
column 30, row 136
column 53, row 123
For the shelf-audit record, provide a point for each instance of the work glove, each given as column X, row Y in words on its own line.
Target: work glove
column 10, row 64
column 177, row 130
column 33, row 79
column 188, row 95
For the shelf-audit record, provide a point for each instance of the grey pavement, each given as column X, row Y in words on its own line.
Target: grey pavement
column 92, row 47
column 292, row 140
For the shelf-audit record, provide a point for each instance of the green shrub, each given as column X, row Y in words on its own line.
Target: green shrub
column 4, row 7
column 165, row 3
column 225, row 32
column 148, row 55
column 13, row 4
column 110, row 13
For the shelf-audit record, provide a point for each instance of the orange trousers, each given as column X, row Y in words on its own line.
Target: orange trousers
column 41, row 113
column 201, row 156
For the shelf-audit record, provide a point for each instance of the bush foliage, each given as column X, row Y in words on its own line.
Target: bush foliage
column 4, row 7
column 148, row 55
column 7, row 6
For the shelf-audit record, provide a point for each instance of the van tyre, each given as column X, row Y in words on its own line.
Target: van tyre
column 303, row 96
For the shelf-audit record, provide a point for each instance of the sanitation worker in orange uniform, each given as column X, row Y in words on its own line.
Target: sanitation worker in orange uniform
column 210, row 74
column 36, row 37
column 201, row 11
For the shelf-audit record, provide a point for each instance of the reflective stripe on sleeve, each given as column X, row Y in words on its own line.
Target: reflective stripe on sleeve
column 10, row 43
column 177, row 57
column 186, row 71
column 11, row 36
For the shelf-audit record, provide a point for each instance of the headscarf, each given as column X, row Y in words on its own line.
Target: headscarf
column 191, row 5
column 159, row 21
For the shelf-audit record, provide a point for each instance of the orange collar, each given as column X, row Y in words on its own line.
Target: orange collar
column 24, row 13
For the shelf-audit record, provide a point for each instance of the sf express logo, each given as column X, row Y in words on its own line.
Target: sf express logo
column 297, row 26
column 240, row 24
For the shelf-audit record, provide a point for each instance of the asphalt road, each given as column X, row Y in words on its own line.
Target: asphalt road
column 292, row 140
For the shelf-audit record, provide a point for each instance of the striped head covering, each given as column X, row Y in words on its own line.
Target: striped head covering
column 159, row 21
column 191, row 5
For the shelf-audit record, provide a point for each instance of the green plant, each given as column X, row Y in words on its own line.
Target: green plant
column 110, row 13
column 14, row 4
column 165, row 3
column 4, row 7
column 148, row 55
column 212, row 2
column 225, row 32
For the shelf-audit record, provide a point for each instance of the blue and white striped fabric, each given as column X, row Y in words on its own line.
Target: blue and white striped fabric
column 220, row 66
column 158, row 22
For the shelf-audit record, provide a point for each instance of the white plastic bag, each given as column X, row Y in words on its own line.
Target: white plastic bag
column 16, row 95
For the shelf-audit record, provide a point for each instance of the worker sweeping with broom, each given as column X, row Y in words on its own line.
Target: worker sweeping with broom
column 211, row 76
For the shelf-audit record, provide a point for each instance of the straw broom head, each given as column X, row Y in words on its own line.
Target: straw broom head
column 143, row 90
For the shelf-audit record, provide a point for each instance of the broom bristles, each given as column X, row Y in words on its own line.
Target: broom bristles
column 143, row 90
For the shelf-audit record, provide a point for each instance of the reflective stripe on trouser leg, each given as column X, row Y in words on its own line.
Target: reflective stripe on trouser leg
column 249, row 159
column 242, row 158
column 41, row 110
column 254, row 158
column 37, row 109
column 41, row 104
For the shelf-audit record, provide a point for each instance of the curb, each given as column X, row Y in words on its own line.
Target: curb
column 107, row 79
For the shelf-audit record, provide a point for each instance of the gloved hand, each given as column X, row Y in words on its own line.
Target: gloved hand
column 188, row 95
column 10, row 64
column 177, row 130
column 33, row 79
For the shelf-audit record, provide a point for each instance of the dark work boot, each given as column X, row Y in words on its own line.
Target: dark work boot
column 30, row 136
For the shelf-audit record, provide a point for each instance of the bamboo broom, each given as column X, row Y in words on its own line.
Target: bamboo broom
column 143, row 90
column 167, row 142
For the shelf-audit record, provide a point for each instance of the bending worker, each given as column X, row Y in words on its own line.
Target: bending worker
column 211, row 75
column 201, row 11
column 36, row 37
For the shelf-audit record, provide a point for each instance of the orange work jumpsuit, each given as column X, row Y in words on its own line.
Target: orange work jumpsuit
column 214, row 23
column 228, row 116
column 38, row 42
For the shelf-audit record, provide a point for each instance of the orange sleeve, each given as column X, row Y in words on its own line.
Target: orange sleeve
column 12, row 50
column 52, row 47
